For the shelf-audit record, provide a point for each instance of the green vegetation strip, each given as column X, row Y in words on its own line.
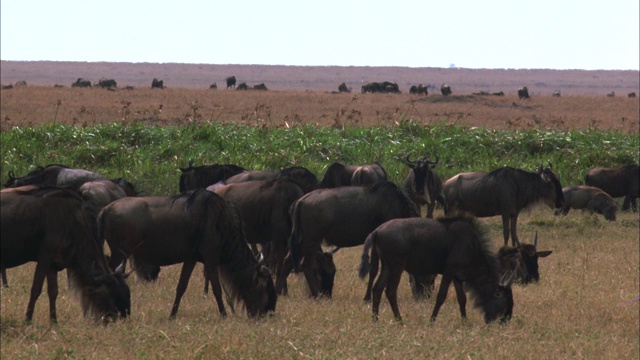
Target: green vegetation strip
column 150, row 156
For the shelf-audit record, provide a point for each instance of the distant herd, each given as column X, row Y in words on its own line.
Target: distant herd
column 385, row 87
column 251, row 229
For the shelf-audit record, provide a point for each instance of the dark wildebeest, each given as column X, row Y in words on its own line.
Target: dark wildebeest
column 423, row 185
column 107, row 83
column 48, row 225
column 505, row 191
column 302, row 176
column 54, row 175
column 342, row 217
column 454, row 247
column 367, row 175
column 200, row 177
column 343, row 88
column 631, row 95
column 213, row 86
column 81, row 82
column 617, row 182
column 157, row 84
column 556, row 93
column 591, row 198
column 231, row 82
column 242, row 86
column 523, row 260
column 196, row 226
column 499, row 93
column 344, row 175
column 445, row 90
column 523, row 93
column 611, row 94
column 260, row 86
column 419, row 90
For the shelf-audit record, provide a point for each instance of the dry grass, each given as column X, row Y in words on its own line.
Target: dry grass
column 583, row 308
column 33, row 105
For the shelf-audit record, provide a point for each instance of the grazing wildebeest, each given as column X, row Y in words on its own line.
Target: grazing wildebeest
column 591, row 198
column 242, row 86
column 454, row 247
column 505, row 191
column 81, row 82
column 345, row 175
column 260, row 86
column 523, row 93
column 54, row 175
column 343, row 88
column 196, row 226
column 523, row 260
column 157, row 83
column 611, row 94
column 231, row 82
column 419, row 90
column 617, row 182
column 499, row 93
column 48, row 225
column 213, row 86
column 631, row 95
column 107, row 83
column 445, row 90
column 372, row 88
column 342, row 217
column 423, row 185
column 200, row 177
column 556, row 93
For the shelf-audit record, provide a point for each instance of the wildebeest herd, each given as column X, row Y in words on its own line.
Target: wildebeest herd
column 251, row 229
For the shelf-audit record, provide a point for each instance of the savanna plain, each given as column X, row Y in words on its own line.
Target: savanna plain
column 585, row 305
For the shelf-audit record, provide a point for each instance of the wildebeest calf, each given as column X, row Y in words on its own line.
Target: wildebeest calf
column 590, row 198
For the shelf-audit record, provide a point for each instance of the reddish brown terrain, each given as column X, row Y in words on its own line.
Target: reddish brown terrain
column 305, row 94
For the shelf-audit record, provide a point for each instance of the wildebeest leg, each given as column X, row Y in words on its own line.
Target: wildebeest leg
column 376, row 292
column 311, row 274
column 462, row 298
column 514, row 231
column 422, row 286
column 505, row 228
column 185, row 274
column 442, row 295
column 5, row 283
column 373, row 272
column 629, row 202
column 52, row 291
column 36, row 287
column 281, row 280
column 430, row 208
column 216, row 289
column 392, row 292
column 206, row 282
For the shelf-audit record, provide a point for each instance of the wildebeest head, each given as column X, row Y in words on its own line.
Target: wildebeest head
column 502, row 304
column 111, row 292
column 550, row 177
column 326, row 271
column 523, row 260
column 423, row 177
column 267, row 290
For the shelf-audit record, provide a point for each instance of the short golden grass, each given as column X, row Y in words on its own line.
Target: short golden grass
column 583, row 307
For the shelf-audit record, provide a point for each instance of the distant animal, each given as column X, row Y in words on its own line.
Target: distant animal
column 196, row 226
column 523, row 93
column 556, row 93
column 445, row 90
column 617, row 182
column 342, row 217
column 499, row 93
column 20, row 83
column 588, row 197
column 260, row 86
column 213, row 86
column 631, row 95
column 7, row 87
column 107, row 83
column 47, row 225
column 343, row 88
column 455, row 247
column 505, row 191
column 611, row 94
column 338, row 174
column 242, row 86
column 422, row 184
column 81, row 82
column 231, row 82
column 523, row 260
column 199, row 177
column 383, row 87
column 54, row 175
column 157, row 83
column 419, row 90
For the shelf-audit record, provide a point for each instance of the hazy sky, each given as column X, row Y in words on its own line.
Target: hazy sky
column 540, row 34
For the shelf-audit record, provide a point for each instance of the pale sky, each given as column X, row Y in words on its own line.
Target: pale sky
column 513, row 34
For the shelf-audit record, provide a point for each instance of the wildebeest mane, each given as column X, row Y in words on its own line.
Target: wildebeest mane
column 392, row 188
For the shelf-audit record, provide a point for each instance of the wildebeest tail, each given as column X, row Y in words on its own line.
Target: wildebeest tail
column 365, row 264
column 294, row 239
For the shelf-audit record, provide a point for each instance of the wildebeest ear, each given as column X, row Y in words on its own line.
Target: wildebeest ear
column 544, row 253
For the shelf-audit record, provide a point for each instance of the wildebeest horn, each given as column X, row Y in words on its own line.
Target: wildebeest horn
column 261, row 258
column 334, row 250
column 120, row 269
column 12, row 175
column 190, row 163
column 535, row 240
column 433, row 163
column 409, row 162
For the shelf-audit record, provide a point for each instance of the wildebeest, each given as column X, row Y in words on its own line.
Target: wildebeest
column 523, row 93
column 556, row 93
column 54, row 175
column 157, row 83
column 343, row 88
column 617, row 182
column 199, row 177
column 419, row 90
column 423, row 185
column 338, row 174
column 342, row 217
column 367, row 175
column 611, row 94
column 81, row 82
column 260, row 86
column 454, row 247
column 213, row 86
column 302, row 176
column 588, row 197
column 505, row 191
column 631, row 95
column 231, row 82
column 242, row 86
column 99, row 193
column 196, row 226
column 107, row 83
column 383, row 87
column 445, row 90
column 523, row 260
column 48, row 225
